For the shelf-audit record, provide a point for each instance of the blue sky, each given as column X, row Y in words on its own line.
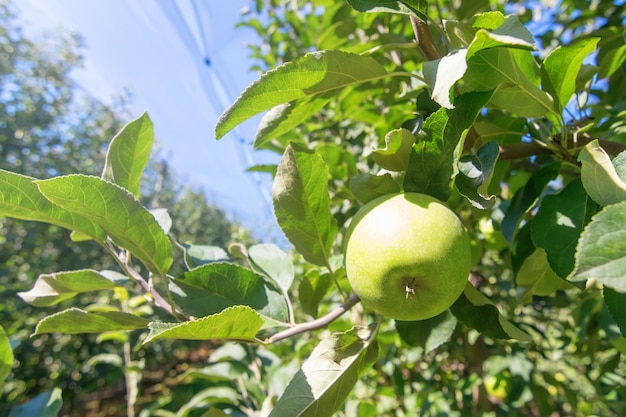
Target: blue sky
column 156, row 50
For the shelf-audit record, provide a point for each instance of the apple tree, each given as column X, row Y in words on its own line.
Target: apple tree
column 519, row 130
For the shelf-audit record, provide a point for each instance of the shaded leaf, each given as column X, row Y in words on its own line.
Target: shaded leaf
column 117, row 212
column 302, row 204
column 559, row 223
column 562, row 66
column 128, row 154
column 273, row 262
column 312, row 290
column 433, row 164
column 313, row 74
column 599, row 176
column 321, row 386
column 395, row 155
column 74, row 321
column 6, row 356
column 20, row 198
column 616, row 303
column 213, row 287
column 612, row 62
column 441, row 75
column 526, row 197
column 51, row 289
column 367, row 187
column 46, row 404
column 536, row 277
column 196, row 255
column 601, row 250
column 234, row 323
column 475, row 172
column 475, row 310
column 428, row 334
column 416, row 7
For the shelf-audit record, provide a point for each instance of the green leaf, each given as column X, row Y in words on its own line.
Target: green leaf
column 321, row 386
column 21, row 199
column 117, row 212
column 441, row 75
column 526, row 197
column 559, row 223
column 46, row 404
column 274, row 263
column 475, row 172
column 313, row 74
column 234, row 323
column 51, row 289
column 562, row 66
column 616, row 303
column 312, row 290
column 413, row 7
column 6, row 356
column 475, row 310
column 599, row 176
column 196, row 255
column 537, row 278
column 284, row 118
column 302, row 204
column 213, row 287
column 612, row 62
column 515, row 76
column 395, row 155
column 428, row 334
column 128, row 154
column 367, row 187
column 601, row 250
column 433, row 164
column 510, row 33
column 74, row 321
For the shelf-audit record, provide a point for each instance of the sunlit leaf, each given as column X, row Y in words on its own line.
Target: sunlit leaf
column 475, row 310
column 74, row 321
column 312, row 290
column 562, row 66
column 433, row 164
column 536, row 277
column 559, row 223
column 510, row 33
column 415, row 7
column 51, row 289
column 213, row 287
column 239, row 323
column 428, row 334
column 367, row 187
column 326, row 378
column 302, row 204
column 475, row 172
column 6, row 356
column 273, row 262
column 395, row 155
column 612, row 62
column 601, row 250
column 441, row 75
column 314, row 74
column 46, row 404
column 616, row 303
column 599, row 176
column 20, row 198
column 128, row 223
column 128, row 154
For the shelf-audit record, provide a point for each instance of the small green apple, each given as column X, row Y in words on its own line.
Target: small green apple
column 407, row 256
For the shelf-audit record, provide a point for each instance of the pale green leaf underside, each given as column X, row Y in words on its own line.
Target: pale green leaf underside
column 313, row 74
column 74, row 321
column 395, row 155
column 601, row 251
column 321, row 386
column 273, row 262
column 128, row 154
column 116, row 211
column 234, row 323
column 599, row 176
column 20, row 198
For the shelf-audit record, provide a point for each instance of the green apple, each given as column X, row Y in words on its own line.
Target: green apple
column 407, row 256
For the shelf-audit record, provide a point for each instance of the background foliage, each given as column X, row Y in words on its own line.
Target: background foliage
column 517, row 109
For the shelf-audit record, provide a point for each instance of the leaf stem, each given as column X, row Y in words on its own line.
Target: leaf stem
column 315, row 324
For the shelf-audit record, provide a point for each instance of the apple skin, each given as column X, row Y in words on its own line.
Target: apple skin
column 407, row 256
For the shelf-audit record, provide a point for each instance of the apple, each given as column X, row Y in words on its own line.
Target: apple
column 407, row 256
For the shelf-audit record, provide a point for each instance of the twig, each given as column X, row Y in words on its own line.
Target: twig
column 316, row 324
column 424, row 39
column 526, row 149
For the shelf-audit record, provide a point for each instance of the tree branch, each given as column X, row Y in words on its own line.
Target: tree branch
column 316, row 324
column 526, row 149
column 424, row 39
